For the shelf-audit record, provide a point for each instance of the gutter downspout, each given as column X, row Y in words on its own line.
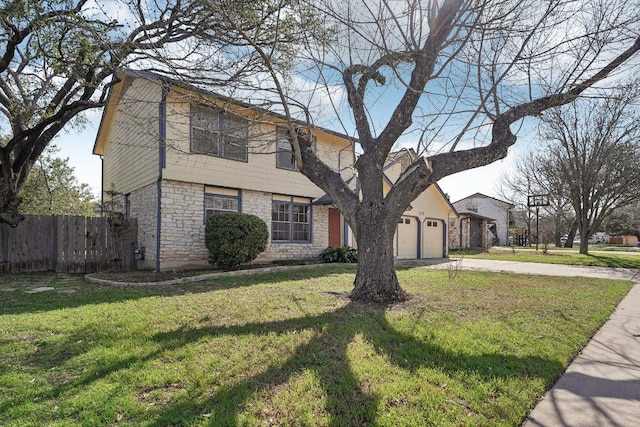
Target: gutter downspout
column 101, row 186
column 162, row 161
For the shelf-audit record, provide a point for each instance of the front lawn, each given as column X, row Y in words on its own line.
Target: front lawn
column 291, row 349
column 555, row 257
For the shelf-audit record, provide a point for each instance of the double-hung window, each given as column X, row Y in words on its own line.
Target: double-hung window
column 290, row 220
column 217, row 200
column 285, row 158
column 284, row 154
column 218, row 133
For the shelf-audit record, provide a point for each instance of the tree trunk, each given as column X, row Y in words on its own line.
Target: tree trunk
column 571, row 235
column 9, row 202
column 557, row 232
column 585, row 232
column 376, row 278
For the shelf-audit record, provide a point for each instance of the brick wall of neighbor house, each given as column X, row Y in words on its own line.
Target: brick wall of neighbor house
column 459, row 233
column 143, row 204
column 454, row 233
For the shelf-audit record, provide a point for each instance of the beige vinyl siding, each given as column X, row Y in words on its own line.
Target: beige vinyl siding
column 259, row 172
column 430, row 204
column 131, row 152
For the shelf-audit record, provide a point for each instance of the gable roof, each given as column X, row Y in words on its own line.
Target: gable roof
column 392, row 159
column 116, row 91
column 397, row 156
column 484, row 196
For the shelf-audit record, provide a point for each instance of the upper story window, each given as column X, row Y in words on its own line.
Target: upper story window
column 285, row 158
column 284, row 154
column 218, row 133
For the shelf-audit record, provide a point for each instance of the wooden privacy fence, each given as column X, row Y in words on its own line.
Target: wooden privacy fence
column 67, row 244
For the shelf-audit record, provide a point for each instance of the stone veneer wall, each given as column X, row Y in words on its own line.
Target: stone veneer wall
column 182, row 230
column 459, row 233
column 143, row 206
column 454, row 233
column 183, row 227
column 455, row 225
column 259, row 204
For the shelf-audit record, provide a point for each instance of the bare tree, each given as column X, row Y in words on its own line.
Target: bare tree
column 455, row 77
column 537, row 173
column 594, row 144
column 57, row 58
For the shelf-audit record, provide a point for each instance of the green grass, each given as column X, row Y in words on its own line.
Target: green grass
column 619, row 249
column 291, row 349
column 569, row 258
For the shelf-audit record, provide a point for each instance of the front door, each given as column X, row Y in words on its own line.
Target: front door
column 334, row 228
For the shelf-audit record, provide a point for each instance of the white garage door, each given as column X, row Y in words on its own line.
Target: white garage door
column 407, row 238
column 433, row 236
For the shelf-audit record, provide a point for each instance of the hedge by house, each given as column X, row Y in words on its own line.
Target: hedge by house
column 235, row 238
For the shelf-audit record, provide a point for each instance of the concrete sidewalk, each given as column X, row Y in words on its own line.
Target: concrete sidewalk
column 601, row 387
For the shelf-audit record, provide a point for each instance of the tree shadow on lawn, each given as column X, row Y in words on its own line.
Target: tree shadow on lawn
column 19, row 302
column 616, row 261
column 347, row 400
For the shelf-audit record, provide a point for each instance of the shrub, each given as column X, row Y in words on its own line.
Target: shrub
column 234, row 238
column 344, row 254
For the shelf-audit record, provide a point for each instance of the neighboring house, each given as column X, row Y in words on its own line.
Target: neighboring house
column 484, row 221
column 470, row 230
column 422, row 230
column 177, row 155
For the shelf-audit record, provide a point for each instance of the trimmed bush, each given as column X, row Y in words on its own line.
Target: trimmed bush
column 344, row 254
column 234, row 238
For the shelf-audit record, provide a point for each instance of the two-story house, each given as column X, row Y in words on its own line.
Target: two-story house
column 484, row 221
column 176, row 154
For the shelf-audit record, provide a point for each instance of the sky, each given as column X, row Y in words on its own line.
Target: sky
column 77, row 145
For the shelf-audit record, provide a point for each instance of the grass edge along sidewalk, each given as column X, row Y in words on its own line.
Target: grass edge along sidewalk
column 290, row 348
column 596, row 259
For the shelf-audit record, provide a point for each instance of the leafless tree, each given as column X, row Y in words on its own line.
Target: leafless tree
column 594, row 145
column 57, row 58
column 458, row 78
column 455, row 77
column 537, row 173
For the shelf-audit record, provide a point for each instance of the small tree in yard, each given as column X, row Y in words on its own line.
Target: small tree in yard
column 234, row 238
